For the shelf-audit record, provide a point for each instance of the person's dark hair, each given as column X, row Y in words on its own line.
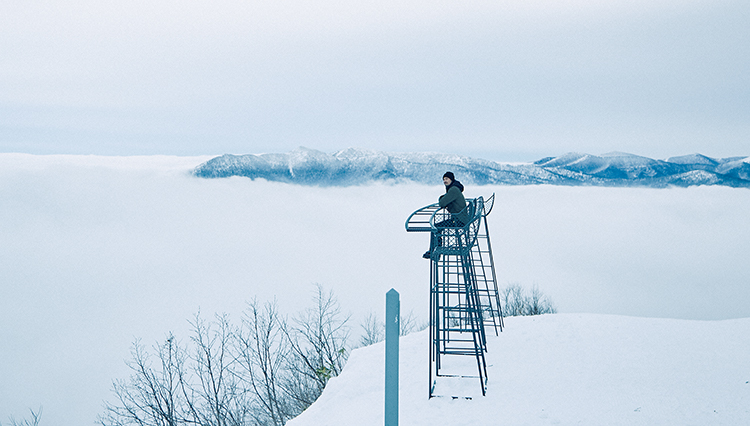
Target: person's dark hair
column 450, row 176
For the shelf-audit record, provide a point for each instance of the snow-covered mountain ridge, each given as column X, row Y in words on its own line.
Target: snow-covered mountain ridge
column 354, row 166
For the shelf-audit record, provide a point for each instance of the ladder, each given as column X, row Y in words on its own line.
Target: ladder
column 463, row 286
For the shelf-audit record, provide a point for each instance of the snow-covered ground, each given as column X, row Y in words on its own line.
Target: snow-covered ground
column 98, row 251
column 563, row 369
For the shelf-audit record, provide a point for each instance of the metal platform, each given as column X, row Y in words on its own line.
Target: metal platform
column 463, row 285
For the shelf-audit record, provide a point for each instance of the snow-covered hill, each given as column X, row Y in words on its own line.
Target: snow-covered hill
column 356, row 166
column 563, row 369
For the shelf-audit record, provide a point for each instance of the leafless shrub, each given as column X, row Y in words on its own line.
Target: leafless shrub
column 33, row 420
column 262, row 356
column 264, row 371
column 317, row 338
column 409, row 324
column 217, row 395
column 373, row 330
column 517, row 301
column 153, row 396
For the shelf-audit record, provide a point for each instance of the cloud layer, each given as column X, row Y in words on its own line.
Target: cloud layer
column 100, row 250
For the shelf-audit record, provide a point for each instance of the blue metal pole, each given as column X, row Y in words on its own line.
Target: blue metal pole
column 392, row 325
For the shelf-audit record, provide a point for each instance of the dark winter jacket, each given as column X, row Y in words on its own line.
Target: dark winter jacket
column 453, row 200
column 455, row 183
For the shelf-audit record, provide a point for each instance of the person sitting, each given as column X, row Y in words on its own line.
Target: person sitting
column 453, row 200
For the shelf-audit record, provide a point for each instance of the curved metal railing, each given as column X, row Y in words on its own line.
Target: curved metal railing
column 421, row 220
column 489, row 204
column 453, row 236
column 424, row 219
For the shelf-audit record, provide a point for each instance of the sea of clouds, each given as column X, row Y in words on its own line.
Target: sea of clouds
column 99, row 251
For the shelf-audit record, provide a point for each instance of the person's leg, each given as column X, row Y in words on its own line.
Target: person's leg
column 435, row 239
column 433, row 244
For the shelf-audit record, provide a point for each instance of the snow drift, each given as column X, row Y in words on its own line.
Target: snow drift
column 563, row 369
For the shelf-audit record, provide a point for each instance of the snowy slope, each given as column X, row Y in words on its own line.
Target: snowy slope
column 564, row 369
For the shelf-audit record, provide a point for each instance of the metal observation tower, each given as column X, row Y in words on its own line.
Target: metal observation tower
column 463, row 286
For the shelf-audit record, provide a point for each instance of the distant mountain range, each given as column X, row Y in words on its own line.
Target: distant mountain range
column 357, row 166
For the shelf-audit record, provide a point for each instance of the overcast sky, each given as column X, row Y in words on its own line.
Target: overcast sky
column 504, row 80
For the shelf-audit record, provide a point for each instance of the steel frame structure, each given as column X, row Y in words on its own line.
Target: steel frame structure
column 463, row 285
column 486, row 276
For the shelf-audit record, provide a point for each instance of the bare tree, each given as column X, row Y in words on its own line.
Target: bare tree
column 262, row 351
column 409, row 324
column 373, row 330
column 517, row 302
column 317, row 340
column 152, row 396
column 183, row 390
column 217, row 399
column 33, row 420
column 263, row 372
column 513, row 300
